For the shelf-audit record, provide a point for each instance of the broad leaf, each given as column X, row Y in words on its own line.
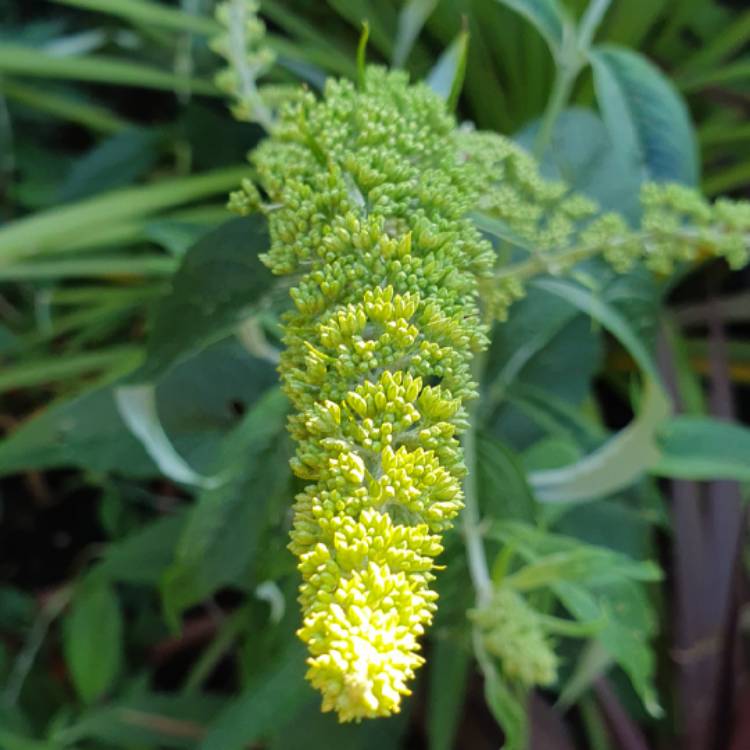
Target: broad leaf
column 93, row 638
column 548, row 17
column 220, row 283
column 703, row 448
column 224, row 527
column 262, row 707
column 647, row 119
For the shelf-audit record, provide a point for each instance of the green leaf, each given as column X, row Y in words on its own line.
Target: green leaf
column 19, row 60
column 622, row 460
column 143, row 556
column 93, row 638
column 449, row 666
column 51, row 369
column 553, row 558
column 583, row 154
column 13, row 741
column 64, row 107
column 410, row 22
column 311, row 729
column 508, row 705
column 605, row 590
column 588, row 302
column 501, row 482
column 137, row 407
column 150, row 13
column 448, row 68
column 116, row 162
column 627, row 455
column 701, row 448
column 646, row 117
column 221, row 282
column 57, row 229
column 81, row 431
column 548, row 17
column 630, row 624
column 197, row 404
column 143, row 720
column 224, row 527
column 263, row 706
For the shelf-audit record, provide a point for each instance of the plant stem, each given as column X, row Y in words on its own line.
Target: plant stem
column 565, row 77
column 478, row 568
column 590, row 22
column 25, row 661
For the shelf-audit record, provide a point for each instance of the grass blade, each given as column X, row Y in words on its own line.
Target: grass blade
column 55, row 229
column 16, row 59
column 64, row 107
column 155, row 14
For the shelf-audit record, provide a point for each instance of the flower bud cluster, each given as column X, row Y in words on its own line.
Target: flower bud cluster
column 514, row 633
column 560, row 228
column 243, row 45
column 367, row 197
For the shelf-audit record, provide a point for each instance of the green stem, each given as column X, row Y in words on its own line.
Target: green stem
column 478, row 567
column 25, row 661
column 565, row 77
column 229, row 632
column 591, row 21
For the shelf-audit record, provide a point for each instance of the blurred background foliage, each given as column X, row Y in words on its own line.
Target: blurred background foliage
column 146, row 596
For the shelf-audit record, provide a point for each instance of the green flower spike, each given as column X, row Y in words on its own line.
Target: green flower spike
column 369, row 193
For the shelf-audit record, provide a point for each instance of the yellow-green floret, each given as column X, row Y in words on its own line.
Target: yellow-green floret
column 367, row 194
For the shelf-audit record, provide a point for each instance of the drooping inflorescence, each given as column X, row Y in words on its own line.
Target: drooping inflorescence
column 372, row 194
column 367, row 205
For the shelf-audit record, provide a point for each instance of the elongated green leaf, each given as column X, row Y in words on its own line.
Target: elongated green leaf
column 702, row 448
column 81, row 431
column 224, row 527
column 450, row 660
column 57, row 228
column 137, row 407
column 197, row 403
column 263, row 705
column 617, row 464
column 115, row 162
column 732, row 37
column 12, row 741
column 627, row 455
column 554, row 557
column 645, row 115
column 93, row 638
column 410, row 22
column 221, row 282
column 547, row 16
column 447, row 69
column 143, row 556
column 147, row 720
column 151, row 13
column 503, row 490
column 86, row 268
column 27, row 61
column 63, row 107
column 508, row 705
column 630, row 626
column 733, row 73
column 605, row 591
column 52, row 369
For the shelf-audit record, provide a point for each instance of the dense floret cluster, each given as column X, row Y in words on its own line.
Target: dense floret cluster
column 370, row 193
column 367, row 202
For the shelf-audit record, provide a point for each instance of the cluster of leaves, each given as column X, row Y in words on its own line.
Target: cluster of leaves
column 166, row 617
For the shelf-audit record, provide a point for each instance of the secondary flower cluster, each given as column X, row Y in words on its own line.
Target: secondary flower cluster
column 557, row 228
column 367, row 197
